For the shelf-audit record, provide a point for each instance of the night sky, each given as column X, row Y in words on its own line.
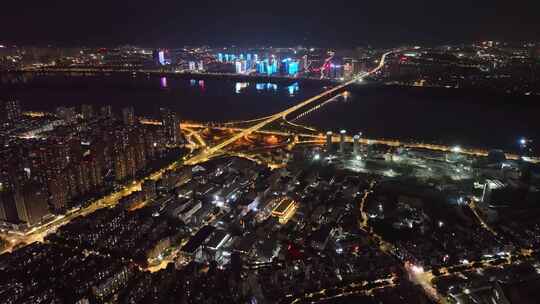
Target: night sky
column 321, row 23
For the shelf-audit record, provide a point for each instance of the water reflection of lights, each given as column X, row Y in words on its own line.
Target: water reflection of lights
column 293, row 88
column 195, row 83
column 240, row 86
column 163, row 82
column 266, row 86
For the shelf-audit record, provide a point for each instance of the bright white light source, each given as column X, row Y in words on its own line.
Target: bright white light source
column 316, row 157
column 456, row 149
column 417, row 269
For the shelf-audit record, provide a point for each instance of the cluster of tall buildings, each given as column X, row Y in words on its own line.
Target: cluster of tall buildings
column 180, row 59
column 356, row 149
column 87, row 154
column 293, row 64
column 267, row 65
column 11, row 111
column 171, row 125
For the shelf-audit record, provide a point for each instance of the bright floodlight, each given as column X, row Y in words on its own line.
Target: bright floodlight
column 456, row 149
column 343, row 132
column 417, row 269
column 523, row 141
column 316, row 157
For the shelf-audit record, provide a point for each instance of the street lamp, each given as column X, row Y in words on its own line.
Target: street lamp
column 524, row 146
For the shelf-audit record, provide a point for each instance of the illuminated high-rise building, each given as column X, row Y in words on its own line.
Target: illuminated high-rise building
column 348, row 70
column 31, row 202
column 106, row 111
column 87, row 111
column 58, row 192
column 71, row 178
column 8, row 210
column 131, row 162
column 342, row 135
column 273, row 67
column 94, row 172
column 356, row 144
column 13, row 110
column 261, row 67
column 290, row 67
column 120, row 170
column 335, row 71
column 238, row 67
column 83, row 177
column 149, row 189
column 67, row 114
column 294, row 68
column 128, row 116
column 171, row 125
column 161, row 57
column 329, row 136
column 140, row 155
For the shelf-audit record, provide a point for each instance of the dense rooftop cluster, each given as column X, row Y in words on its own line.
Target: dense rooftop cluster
column 230, row 230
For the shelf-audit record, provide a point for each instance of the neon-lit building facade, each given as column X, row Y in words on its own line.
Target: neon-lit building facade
column 263, row 64
column 161, row 57
column 290, row 67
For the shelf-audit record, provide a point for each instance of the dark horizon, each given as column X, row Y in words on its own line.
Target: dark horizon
column 313, row 23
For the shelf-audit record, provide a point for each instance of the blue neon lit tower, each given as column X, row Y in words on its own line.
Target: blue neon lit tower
column 274, row 66
column 261, row 67
column 293, row 68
